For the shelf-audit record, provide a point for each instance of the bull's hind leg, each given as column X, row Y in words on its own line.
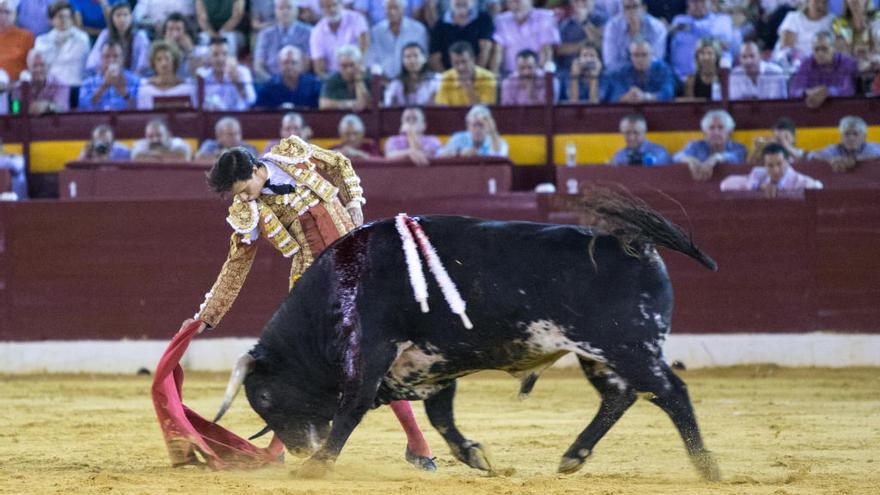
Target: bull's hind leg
column 671, row 395
column 439, row 410
column 617, row 397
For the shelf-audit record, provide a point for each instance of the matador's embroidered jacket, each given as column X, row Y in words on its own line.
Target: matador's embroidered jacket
column 325, row 180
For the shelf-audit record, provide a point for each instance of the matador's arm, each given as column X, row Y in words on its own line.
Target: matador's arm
column 337, row 168
column 229, row 282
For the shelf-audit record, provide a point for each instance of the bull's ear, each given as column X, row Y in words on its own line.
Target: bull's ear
column 257, row 352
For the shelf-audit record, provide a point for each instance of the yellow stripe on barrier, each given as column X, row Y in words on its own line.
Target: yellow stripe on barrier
column 525, row 149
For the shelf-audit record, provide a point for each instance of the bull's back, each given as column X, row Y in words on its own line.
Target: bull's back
column 527, row 287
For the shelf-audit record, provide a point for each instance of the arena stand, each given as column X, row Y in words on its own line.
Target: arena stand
column 111, row 272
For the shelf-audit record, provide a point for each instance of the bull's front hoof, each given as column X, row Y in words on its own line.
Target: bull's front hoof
column 314, row 469
column 473, row 454
column 707, row 466
column 569, row 465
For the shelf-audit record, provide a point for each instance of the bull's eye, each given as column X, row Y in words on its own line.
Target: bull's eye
column 265, row 398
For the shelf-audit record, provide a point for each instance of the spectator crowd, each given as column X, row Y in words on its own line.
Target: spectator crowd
column 114, row 54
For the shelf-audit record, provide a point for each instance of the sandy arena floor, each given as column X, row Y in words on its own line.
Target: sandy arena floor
column 774, row 431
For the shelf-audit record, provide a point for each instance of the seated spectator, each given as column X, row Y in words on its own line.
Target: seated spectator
column 754, row 78
column 31, row 15
column 824, row 74
column 643, row 79
column 165, row 61
column 523, row 27
column 65, row 47
column 480, row 139
column 262, row 14
column 745, row 14
column 784, row 132
column 587, row 81
column 103, row 146
column 582, row 25
column 15, row 165
column 638, row 150
column 527, row 86
column 716, row 147
column 688, row 30
column 857, row 29
column 155, row 12
column 113, row 87
column 465, row 83
column 227, row 134
column 91, row 16
column 353, row 143
column 666, row 10
column 292, row 124
column 309, row 11
column 16, row 42
column 434, row 10
column 412, row 142
column 221, row 20
column 293, row 88
column 159, row 145
column 462, row 22
column 774, row 175
column 228, row 84
column 770, row 16
column 347, row 89
column 797, row 31
column 339, row 27
column 48, row 94
column 705, row 84
column 177, row 33
column 622, row 29
column 134, row 42
column 853, row 146
column 285, row 31
column 416, row 84
column 389, row 37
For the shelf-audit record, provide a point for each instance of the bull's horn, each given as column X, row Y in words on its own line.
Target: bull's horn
column 243, row 366
column 260, row 433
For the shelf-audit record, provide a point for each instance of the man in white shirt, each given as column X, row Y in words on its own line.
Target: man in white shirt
column 228, row 84
column 754, row 78
column 156, row 11
column 65, row 46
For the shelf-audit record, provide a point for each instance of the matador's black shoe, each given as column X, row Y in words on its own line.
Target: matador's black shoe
column 420, row 461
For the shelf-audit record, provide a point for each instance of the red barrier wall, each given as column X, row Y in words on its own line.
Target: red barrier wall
column 382, row 178
column 135, row 269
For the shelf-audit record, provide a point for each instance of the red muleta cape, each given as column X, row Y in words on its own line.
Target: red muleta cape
column 186, row 433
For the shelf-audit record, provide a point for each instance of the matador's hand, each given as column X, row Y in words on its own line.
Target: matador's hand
column 357, row 215
column 202, row 325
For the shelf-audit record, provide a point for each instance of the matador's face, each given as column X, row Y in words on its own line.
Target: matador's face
column 249, row 189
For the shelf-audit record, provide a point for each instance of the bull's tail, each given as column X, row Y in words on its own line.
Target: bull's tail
column 634, row 223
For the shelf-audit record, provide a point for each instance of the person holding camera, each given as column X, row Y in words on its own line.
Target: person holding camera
column 638, row 150
column 103, row 146
column 587, row 82
column 113, row 87
column 159, row 145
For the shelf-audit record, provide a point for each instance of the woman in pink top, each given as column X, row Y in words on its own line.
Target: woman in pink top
column 165, row 62
column 412, row 142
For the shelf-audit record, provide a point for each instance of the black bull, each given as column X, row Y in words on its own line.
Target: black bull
column 350, row 336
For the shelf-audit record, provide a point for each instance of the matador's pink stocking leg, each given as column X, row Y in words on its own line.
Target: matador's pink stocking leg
column 418, row 452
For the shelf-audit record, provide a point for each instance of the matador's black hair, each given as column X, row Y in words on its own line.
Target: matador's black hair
column 234, row 164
